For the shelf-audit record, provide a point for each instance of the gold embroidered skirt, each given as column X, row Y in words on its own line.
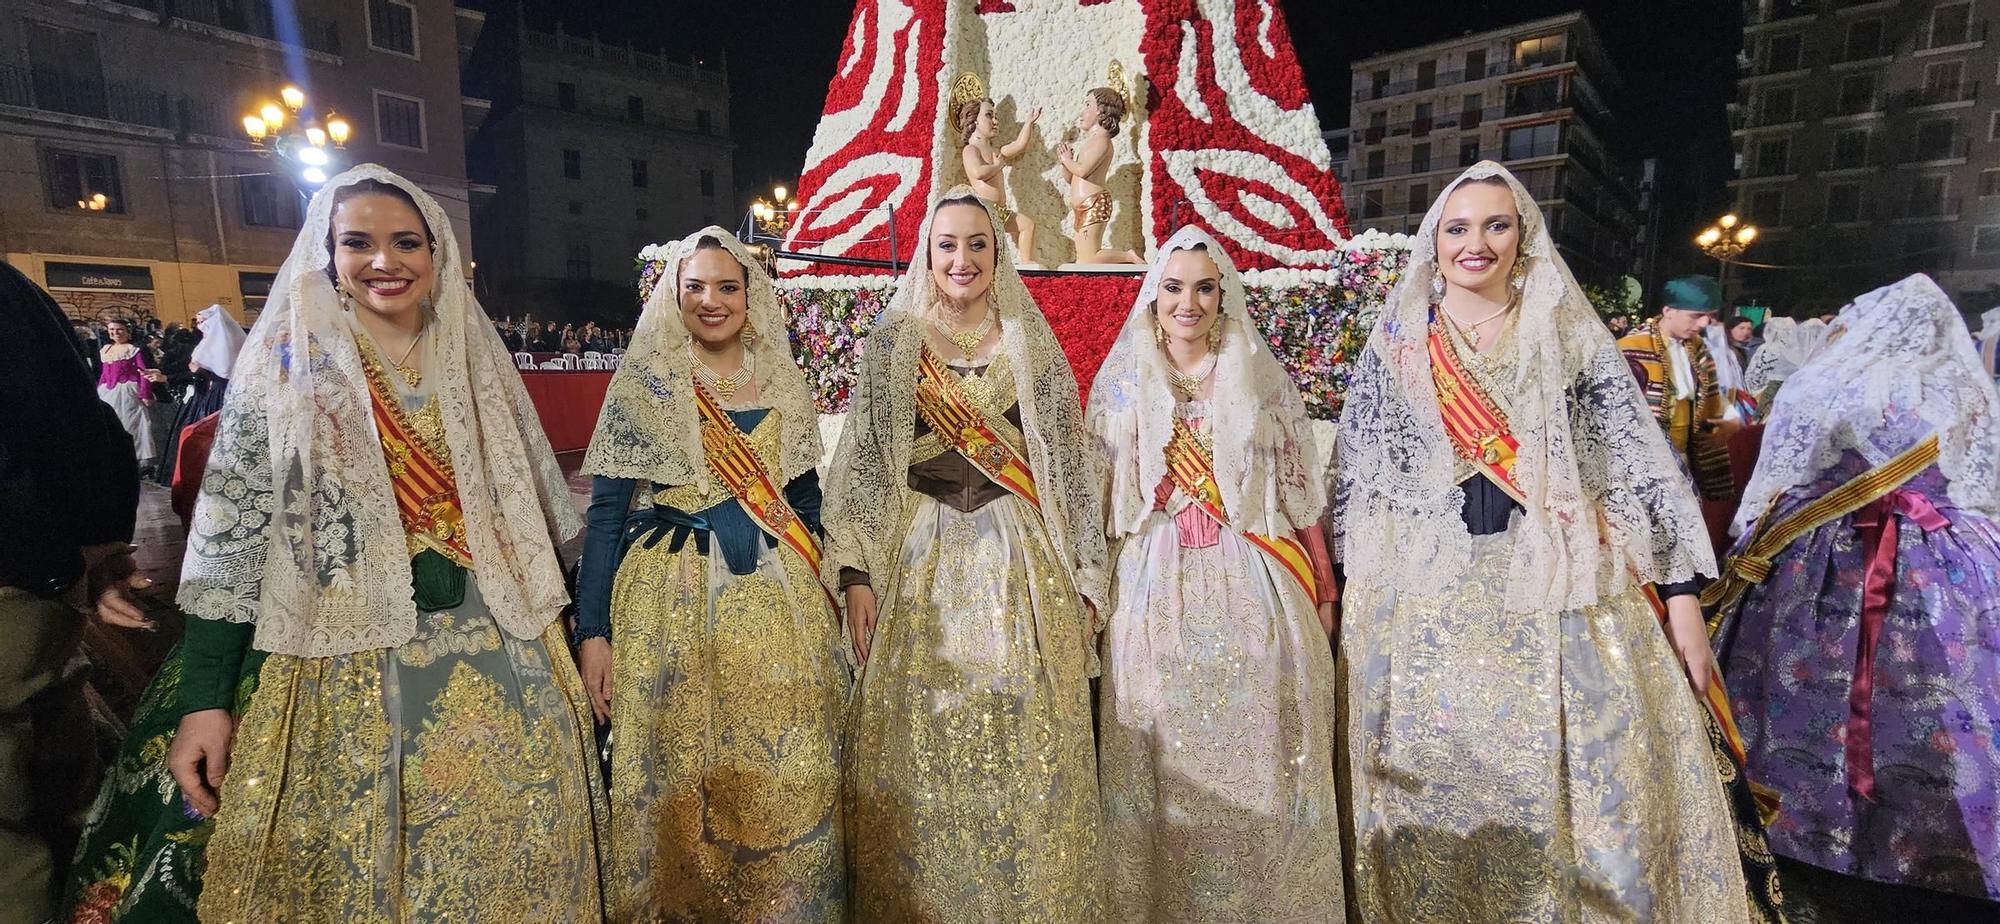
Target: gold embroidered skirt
column 725, row 742
column 1528, row 766
column 972, row 779
column 450, row 778
column 1217, row 730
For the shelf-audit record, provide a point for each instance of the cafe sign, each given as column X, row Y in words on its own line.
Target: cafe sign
column 99, row 276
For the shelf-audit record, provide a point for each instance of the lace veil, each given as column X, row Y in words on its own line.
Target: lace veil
column 1606, row 501
column 867, row 491
column 1899, row 352
column 1728, row 366
column 1787, row 346
column 296, row 527
column 650, row 428
column 221, row 339
column 1256, row 417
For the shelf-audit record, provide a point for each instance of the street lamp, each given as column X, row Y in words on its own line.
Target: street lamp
column 1724, row 241
column 294, row 134
column 775, row 214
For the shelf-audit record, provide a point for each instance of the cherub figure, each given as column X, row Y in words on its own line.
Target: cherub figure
column 986, row 164
column 1087, row 165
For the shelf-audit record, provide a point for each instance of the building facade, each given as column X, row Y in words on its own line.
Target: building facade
column 1867, row 140
column 1530, row 96
column 133, row 190
column 592, row 151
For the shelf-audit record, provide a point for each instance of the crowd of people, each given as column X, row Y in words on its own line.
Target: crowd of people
column 1574, row 626
column 531, row 336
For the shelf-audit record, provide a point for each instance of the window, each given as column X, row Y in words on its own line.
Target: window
column 635, row 109
column 1857, row 94
column 1774, row 157
column 572, row 164
column 1538, row 52
column 1371, row 204
column 1427, row 75
column 85, row 182
column 1993, row 126
column 64, row 70
column 1375, row 165
column 1420, row 125
column 579, row 261
column 707, row 182
column 1843, row 202
column 1468, row 153
column 639, row 214
column 566, row 96
column 1380, row 81
column 1850, row 149
column 703, row 121
column 1471, row 111
column 639, row 173
column 575, row 207
column 1768, row 208
column 1943, row 82
column 1783, row 53
column 399, row 121
column 1475, row 64
column 1927, row 196
column 1420, row 158
column 268, row 202
column 1535, row 96
column 1935, row 139
column 1420, row 196
column 1864, row 40
column 1531, row 141
column 1921, row 251
column 256, row 290
column 1540, row 183
column 1989, row 183
column 1777, row 105
column 1951, row 24
column 1986, row 240
column 392, row 26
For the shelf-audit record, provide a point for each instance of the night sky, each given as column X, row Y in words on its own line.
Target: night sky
column 1676, row 57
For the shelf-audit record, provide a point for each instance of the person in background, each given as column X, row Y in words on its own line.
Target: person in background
column 1744, row 338
column 1619, row 324
column 69, row 493
column 1675, row 371
column 572, row 345
column 207, row 367
column 125, row 382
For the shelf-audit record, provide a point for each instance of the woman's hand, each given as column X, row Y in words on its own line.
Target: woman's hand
column 199, row 757
column 1689, row 635
column 593, row 659
column 1327, row 623
column 861, row 618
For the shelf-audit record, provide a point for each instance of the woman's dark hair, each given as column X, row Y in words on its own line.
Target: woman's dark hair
column 710, row 242
column 376, row 188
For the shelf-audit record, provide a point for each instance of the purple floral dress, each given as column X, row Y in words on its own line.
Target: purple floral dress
column 1789, row 652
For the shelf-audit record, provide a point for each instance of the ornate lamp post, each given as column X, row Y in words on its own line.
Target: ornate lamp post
column 775, row 214
column 298, row 136
column 1724, row 241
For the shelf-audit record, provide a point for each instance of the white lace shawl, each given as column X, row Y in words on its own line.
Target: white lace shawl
column 296, row 527
column 1606, row 502
column 1903, row 351
column 867, row 488
column 1788, row 344
column 650, row 428
column 1258, row 420
column 221, row 339
column 1728, row 366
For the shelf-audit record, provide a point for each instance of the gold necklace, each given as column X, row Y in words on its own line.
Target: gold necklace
column 967, row 341
column 412, row 376
column 1189, row 383
column 1471, row 329
column 724, row 386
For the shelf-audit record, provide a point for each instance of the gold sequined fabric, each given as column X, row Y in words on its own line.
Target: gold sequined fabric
column 447, row 778
column 726, row 731
column 1527, row 766
column 1217, row 736
column 971, row 775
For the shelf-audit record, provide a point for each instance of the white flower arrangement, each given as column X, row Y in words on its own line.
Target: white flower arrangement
column 1373, row 239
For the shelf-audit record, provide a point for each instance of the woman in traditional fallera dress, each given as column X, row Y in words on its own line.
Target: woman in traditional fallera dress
column 1217, row 710
column 708, row 641
column 380, row 510
column 125, row 381
column 1522, row 744
column 210, row 364
column 1788, row 344
column 1860, row 619
column 963, row 510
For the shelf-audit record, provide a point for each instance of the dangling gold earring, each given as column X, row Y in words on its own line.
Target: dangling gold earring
column 749, row 334
column 346, row 300
column 1159, row 333
column 1215, row 333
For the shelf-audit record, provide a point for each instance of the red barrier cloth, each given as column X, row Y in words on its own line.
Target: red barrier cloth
column 567, row 403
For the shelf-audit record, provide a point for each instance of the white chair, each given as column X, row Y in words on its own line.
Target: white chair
column 572, row 361
column 593, row 362
column 554, row 364
column 589, row 355
column 524, row 360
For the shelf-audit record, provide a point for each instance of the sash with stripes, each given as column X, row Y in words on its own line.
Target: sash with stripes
column 1477, row 427
column 1193, row 472
column 735, row 463
column 961, row 426
column 426, row 489
column 1753, row 564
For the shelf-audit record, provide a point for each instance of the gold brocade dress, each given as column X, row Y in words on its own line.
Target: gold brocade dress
column 1541, row 766
column 448, row 778
column 726, row 719
column 972, row 776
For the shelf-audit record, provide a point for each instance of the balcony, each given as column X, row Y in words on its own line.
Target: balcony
column 1952, row 37
column 1850, row 160
column 1781, row 11
column 1943, row 95
column 254, row 19
column 1929, row 210
column 131, row 104
column 1860, row 104
column 1920, row 154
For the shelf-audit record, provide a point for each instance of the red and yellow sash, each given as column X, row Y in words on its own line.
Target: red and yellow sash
column 735, row 463
column 426, row 489
column 1477, row 427
column 961, row 426
column 1193, row 472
